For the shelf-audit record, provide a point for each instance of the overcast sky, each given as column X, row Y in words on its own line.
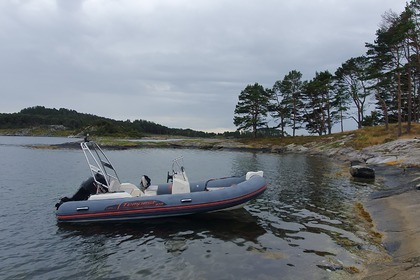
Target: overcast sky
column 179, row 63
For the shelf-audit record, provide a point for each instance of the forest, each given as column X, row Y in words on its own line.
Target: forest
column 82, row 124
column 389, row 73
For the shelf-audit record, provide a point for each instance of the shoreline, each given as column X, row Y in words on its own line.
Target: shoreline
column 395, row 215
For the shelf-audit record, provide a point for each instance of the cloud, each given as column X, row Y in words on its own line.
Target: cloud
column 178, row 63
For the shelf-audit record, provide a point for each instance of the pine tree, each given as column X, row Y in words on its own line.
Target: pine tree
column 319, row 103
column 252, row 109
column 351, row 78
column 291, row 86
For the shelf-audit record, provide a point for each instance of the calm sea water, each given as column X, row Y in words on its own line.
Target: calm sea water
column 300, row 228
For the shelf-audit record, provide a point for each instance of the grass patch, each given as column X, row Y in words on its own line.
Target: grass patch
column 352, row 269
column 362, row 212
column 366, row 219
column 376, row 135
column 394, row 162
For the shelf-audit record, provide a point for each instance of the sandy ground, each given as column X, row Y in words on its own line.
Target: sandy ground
column 396, row 214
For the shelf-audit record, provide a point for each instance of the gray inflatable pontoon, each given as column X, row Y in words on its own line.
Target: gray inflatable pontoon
column 104, row 198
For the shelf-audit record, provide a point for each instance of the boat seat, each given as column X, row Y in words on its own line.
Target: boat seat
column 131, row 189
column 114, row 185
column 180, row 185
column 257, row 173
column 151, row 191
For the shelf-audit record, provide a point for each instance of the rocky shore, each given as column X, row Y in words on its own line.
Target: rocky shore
column 395, row 210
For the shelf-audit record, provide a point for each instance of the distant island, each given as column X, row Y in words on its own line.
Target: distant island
column 41, row 121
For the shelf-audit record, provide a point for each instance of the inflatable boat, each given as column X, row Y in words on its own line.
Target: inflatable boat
column 103, row 198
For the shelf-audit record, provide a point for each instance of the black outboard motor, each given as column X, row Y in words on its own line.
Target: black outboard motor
column 87, row 188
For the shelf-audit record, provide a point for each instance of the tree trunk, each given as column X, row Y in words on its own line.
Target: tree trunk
column 328, row 117
column 399, row 131
column 294, row 116
column 418, row 104
column 282, row 125
column 359, row 115
column 409, row 102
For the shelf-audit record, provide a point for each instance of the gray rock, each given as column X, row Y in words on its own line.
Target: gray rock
column 361, row 171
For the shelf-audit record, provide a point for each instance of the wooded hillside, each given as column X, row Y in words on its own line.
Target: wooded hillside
column 80, row 123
